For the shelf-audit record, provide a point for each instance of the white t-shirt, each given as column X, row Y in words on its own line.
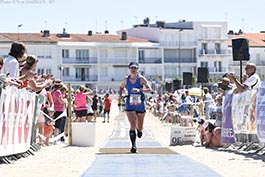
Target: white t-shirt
column 11, row 67
column 253, row 81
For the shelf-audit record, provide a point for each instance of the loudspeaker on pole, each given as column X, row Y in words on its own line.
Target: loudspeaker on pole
column 240, row 49
column 203, row 75
column 176, row 84
column 187, row 78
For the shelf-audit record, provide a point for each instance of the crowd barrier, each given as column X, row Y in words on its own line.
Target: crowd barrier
column 18, row 116
column 244, row 117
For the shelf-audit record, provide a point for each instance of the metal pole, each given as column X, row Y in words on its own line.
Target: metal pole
column 241, row 75
column 69, row 118
column 18, row 31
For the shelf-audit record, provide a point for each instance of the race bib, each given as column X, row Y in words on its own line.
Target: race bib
column 135, row 99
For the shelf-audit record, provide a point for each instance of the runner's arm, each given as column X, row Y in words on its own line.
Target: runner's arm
column 147, row 89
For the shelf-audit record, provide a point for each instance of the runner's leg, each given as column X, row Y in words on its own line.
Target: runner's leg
column 132, row 119
column 140, row 123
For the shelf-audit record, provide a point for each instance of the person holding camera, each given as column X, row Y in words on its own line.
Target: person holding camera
column 252, row 81
column 135, row 101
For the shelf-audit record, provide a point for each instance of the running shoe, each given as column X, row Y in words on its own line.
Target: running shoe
column 139, row 133
column 133, row 149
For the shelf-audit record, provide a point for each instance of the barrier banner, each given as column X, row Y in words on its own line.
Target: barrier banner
column 243, row 113
column 227, row 135
column 16, row 114
column 182, row 135
column 39, row 101
column 260, row 114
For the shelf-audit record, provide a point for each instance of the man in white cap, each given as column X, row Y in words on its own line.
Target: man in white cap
column 252, row 82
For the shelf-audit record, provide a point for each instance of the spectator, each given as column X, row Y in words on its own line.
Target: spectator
column 211, row 135
column 95, row 107
column 48, row 124
column 1, row 64
column 32, row 82
column 59, row 106
column 208, row 102
column 252, row 82
column 11, row 64
column 216, row 112
column 81, row 105
column 107, row 105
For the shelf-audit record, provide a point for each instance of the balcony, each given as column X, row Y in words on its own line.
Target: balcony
column 214, row 52
column 89, row 78
column 117, row 60
column 180, row 60
column 153, row 77
column 113, row 79
column 176, row 43
column 75, row 60
column 153, row 60
column 217, row 70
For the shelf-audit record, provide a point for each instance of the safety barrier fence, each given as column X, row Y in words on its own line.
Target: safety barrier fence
column 19, row 109
column 243, row 120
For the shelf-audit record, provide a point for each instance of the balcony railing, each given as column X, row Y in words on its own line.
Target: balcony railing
column 116, row 60
column 214, row 52
column 217, row 70
column 76, row 60
column 113, row 79
column 180, row 60
column 150, row 60
column 91, row 78
column 153, row 77
column 176, row 43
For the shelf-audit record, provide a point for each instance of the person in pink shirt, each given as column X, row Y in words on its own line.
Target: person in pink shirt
column 81, row 104
column 59, row 105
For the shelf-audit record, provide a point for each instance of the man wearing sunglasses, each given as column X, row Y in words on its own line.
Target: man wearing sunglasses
column 252, row 82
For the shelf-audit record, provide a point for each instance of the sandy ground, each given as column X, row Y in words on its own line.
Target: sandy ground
column 71, row 161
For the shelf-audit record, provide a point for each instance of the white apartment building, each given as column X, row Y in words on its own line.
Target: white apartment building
column 256, row 51
column 98, row 61
column 163, row 50
column 45, row 49
column 184, row 46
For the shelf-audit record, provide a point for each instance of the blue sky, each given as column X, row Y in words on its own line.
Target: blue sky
column 79, row 16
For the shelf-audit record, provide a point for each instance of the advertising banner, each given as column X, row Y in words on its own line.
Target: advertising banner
column 260, row 114
column 16, row 114
column 182, row 135
column 227, row 135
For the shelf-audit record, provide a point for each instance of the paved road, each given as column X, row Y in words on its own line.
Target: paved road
column 152, row 160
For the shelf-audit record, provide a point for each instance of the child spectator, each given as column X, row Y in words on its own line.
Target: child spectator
column 49, row 122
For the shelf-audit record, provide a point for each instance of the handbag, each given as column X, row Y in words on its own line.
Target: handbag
column 89, row 109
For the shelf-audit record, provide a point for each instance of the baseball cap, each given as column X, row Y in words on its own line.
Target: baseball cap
column 134, row 64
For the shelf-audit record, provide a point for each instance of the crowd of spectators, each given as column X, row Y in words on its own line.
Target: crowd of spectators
column 19, row 70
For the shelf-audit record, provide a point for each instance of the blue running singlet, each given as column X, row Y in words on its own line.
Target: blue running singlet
column 135, row 101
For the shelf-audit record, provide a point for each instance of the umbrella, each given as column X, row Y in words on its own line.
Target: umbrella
column 195, row 91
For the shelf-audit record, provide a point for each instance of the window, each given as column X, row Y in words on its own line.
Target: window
column 141, row 56
column 217, row 48
column 66, row 72
column 218, row 66
column 65, row 53
column 204, row 64
column 204, row 48
column 82, row 54
column 48, row 70
column 40, row 71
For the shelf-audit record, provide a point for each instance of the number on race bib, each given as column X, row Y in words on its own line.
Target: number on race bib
column 135, row 99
